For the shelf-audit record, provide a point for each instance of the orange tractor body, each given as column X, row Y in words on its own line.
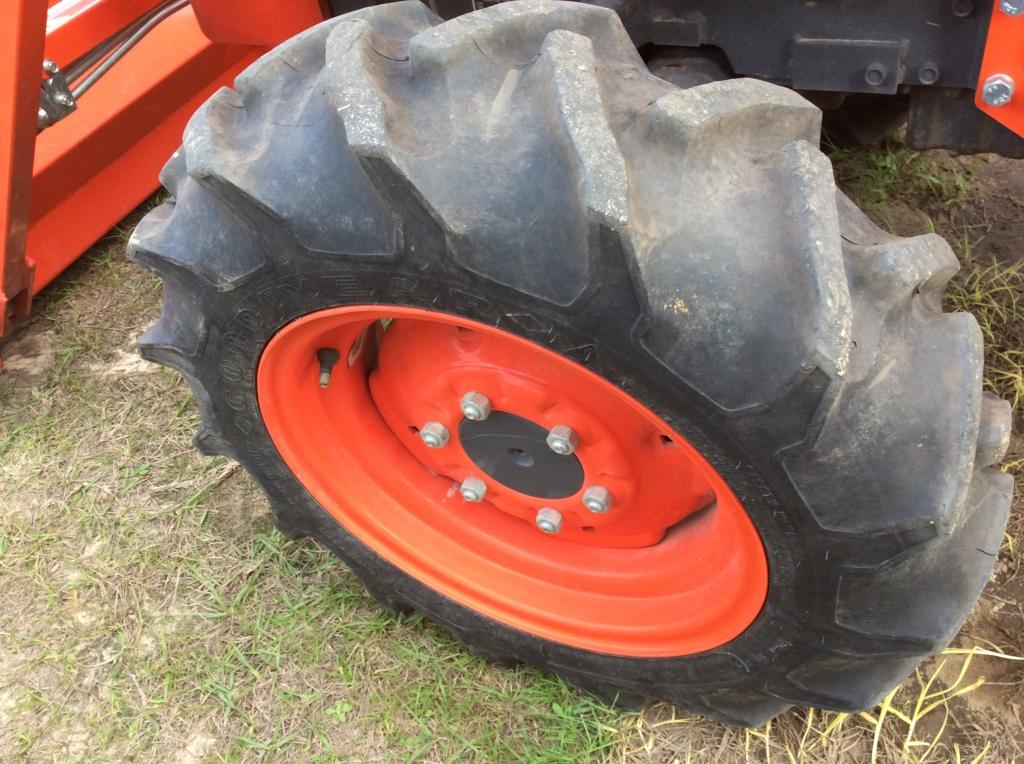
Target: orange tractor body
column 62, row 189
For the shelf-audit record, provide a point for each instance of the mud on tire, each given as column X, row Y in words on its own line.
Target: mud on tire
column 519, row 166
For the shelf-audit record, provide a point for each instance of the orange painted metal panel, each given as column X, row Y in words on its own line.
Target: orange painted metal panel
column 21, row 55
column 63, row 189
column 1004, row 54
column 75, row 26
column 95, row 166
column 257, row 22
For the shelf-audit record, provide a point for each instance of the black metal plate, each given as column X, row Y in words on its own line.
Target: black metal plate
column 514, row 451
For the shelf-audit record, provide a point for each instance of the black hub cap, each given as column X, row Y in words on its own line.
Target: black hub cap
column 514, row 451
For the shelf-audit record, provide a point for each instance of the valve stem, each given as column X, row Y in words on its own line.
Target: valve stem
column 327, row 358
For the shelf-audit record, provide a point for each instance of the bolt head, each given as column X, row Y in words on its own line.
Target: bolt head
column 928, row 74
column 563, row 440
column 997, row 90
column 473, row 489
column 1012, row 7
column 549, row 520
column 50, row 66
column 597, row 499
column 64, row 99
column 875, row 74
column 475, row 406
column 434, row 435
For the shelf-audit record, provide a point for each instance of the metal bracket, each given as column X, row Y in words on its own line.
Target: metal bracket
column 56, row 100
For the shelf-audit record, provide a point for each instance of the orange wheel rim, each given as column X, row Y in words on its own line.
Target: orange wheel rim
column 674, row 566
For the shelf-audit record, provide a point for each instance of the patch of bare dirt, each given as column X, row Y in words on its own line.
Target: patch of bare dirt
column 988, row 217
column 28, row 357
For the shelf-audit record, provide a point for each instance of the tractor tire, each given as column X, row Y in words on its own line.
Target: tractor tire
column 518, row 173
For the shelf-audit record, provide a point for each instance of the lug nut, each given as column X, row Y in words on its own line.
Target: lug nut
column 597, row 499
column 562, row 440
column 549, row 520
column 475, row 406
column 997, row 90
column 434, row 435
column 473, row 489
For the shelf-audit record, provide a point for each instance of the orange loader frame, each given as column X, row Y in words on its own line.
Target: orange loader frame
column 62, row 189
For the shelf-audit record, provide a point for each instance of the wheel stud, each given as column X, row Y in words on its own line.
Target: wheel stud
column 473, row 489
column 597, row 499
column 326, row 357
column 549, row 520
column 475, row 406
column 434, row 435
column 562, row 439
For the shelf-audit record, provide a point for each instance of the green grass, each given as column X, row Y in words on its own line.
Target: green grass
column 149, row 610
column 994, row 293
column 876, row 176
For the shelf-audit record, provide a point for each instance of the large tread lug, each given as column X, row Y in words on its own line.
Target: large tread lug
column 928, row 595
column 210, row 441
column 815, row 211
column 856, row 227
column 899, row 270
column 729, row 115
column 744, row 709
column 994, row 430
column 267, row 87
column 181, row 328
column 355, row 93
column 175, row 172
column 512, row 34
column 165, row 241
column 844, row 683
column 399, row 22
column 755, row 295
column 568, row 59
column 244, row 155
column 860, row 441
column 208, row 438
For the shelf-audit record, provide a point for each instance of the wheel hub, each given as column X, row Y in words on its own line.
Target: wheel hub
column 574, row 437
column 513, row 451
